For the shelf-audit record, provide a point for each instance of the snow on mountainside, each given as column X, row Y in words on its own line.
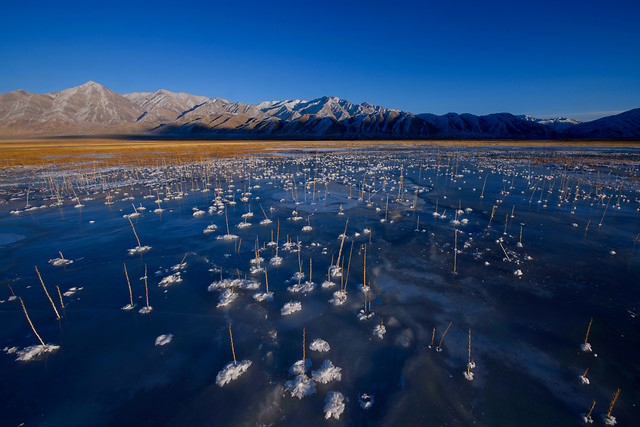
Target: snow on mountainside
column 623, row 125
column 93, row 109
column 558, row 124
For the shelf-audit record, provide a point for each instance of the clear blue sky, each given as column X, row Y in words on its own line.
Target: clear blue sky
column 545, row 58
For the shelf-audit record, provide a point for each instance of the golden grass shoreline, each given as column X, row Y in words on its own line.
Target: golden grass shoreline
column 29, row 151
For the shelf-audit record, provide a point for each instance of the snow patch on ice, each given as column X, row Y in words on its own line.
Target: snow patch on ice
column 164, row 339
column 319, row 345
column 232, row 372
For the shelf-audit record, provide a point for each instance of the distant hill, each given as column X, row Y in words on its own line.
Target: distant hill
column 92, row 109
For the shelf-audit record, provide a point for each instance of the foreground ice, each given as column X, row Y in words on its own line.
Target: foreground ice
column 60, row 262
column 232, row 372
column 296, row 368
column 170, row 280
column 290, row 308
column 334, row 405
column 339, row 298
column 34, row 351
column 366, row 400
column 139, row 250
column 300, row 386
column 302, row 287
column 226, row 298
column 327, row 372
column 319, row 345
column 586, row 347
column 263, row 296
column 164, row 339
column 379, row 331
column 227, row 237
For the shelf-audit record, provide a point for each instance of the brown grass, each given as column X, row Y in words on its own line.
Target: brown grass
column 45, row 151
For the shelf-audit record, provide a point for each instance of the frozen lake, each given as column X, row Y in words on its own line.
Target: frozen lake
column 544, row 243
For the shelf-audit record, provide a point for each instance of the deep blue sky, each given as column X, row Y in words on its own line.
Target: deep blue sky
column 545, row 58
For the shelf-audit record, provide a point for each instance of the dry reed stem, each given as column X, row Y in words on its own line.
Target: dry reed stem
column 30, row 323
column 47, row 292
column 469, row 354
column 613, row 401
column 505, row 252
column 344, row 235
column 303, row 351
column 433, row 334
column 233, row 350
column 593, row 404
column 128, row 284
column 134, row 231
column 445, row 333
column 146, row 287
column 60, row 295
column 588, row 330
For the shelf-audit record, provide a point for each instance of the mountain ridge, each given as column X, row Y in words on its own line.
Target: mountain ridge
column 93, row 109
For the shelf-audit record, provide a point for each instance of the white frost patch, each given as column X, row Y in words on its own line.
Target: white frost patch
column 362, row 316
column 584, row 380
column 379, row 331
column 250, row 285
column 586, row 347
column 60, row 262
column 145, row 310
column 334, row 405
column 198, row 213
column 210, row 229
column 72, row 291
column 300, row 387
column 170, row 280
column 366, row 400
column 609, row 420
column 226, row 298
column 179, row 267
column 227, row 237
column 296, row 368
column 128, row 307
column 302, row 287
column 327, row 284
column 335, row 271
column 307, row 228
column 276, row 260
column 468, row 375
column 164, row 339
column 10, row 350
column 232, row 372
column 339, row 298
column 34, row 351
column 139, row 250
column 243, row 225
column 265, row 221
column 319, row 345
column 263, row 296
column 327, row 372
column 290, row 308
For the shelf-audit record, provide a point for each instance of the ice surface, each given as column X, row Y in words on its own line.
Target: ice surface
column 290, row 308
column 139, row 250
column 319, row 345
column 226, row 298
column 34, row 351
column 60, row 262
column 300, row 387
column 232, row 372
column 327, row 372
column 263, row 296
column 379, row 331
column 164, row 339
column 170, row 280
column 366, row 400
column 296, row 368
column 334, row 405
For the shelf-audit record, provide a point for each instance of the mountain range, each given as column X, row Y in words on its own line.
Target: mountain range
column 92, row 109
